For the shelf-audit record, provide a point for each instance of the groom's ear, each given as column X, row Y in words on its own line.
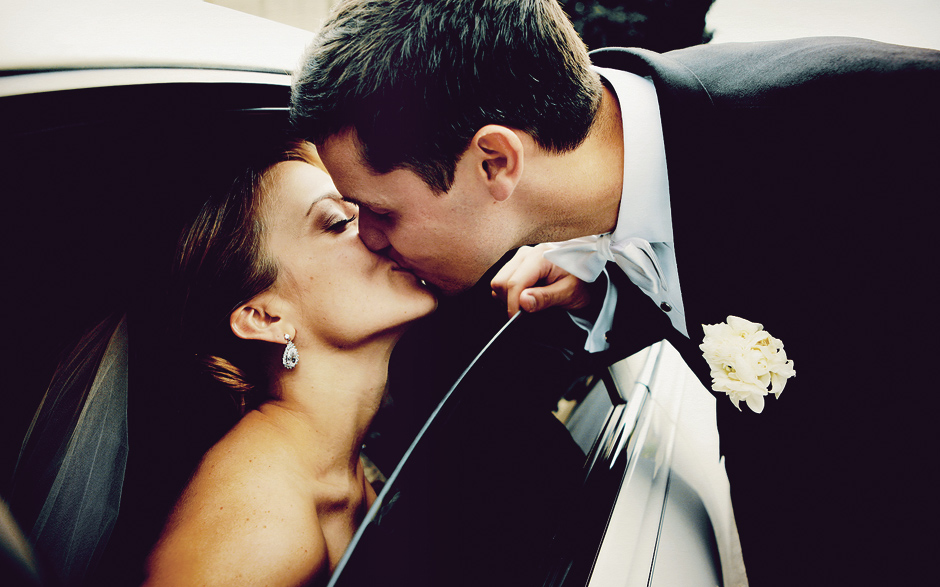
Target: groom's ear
column 501, row 157
column 260, row 319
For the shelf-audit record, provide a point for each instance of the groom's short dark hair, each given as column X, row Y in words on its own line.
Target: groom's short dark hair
column 417, row 78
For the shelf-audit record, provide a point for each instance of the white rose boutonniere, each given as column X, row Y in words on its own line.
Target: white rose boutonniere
column 746, row 362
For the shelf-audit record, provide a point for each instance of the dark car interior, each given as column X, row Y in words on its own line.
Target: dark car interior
column 98, row 183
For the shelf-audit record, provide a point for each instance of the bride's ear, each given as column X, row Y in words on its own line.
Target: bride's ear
column 501, row 157
column 260, row 319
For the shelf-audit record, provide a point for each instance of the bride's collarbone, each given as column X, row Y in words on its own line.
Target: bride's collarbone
column 338, row 495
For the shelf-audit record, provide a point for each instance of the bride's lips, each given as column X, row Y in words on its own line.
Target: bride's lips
column 396, row 266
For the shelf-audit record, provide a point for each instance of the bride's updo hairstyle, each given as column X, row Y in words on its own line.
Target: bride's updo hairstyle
column 222, row 263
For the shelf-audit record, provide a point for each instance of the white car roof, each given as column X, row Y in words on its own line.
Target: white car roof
column 133, row 41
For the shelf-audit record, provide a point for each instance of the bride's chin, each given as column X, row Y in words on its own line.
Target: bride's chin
column 430, row 297
column 427, row 307
column 428, row 289
column 421, row 309
column 423, row 290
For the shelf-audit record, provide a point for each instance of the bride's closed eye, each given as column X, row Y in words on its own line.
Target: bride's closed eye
column 333, row 214
column 337, row 223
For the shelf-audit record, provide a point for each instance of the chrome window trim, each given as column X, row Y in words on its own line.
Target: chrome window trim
column 77, row 79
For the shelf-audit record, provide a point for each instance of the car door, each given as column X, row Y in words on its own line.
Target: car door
column 531, row 472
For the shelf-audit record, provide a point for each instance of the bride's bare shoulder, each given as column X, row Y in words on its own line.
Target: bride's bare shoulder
column 243, row 519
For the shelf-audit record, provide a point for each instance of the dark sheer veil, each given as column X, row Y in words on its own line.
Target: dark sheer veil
column 70, row 472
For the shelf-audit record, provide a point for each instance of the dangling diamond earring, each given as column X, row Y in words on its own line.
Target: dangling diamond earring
column 291, row 356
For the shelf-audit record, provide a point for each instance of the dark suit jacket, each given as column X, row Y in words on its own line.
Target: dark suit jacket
column 802, row 178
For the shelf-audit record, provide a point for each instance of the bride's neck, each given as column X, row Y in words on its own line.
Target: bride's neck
column 329, row 400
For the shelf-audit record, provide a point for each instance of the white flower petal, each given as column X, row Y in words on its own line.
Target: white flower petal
column 756, row 403
column 740, row 325
column 777, row 384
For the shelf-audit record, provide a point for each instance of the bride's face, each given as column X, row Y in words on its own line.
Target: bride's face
column 337, row 289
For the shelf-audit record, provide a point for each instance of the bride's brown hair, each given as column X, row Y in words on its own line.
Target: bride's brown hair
column 221, row 263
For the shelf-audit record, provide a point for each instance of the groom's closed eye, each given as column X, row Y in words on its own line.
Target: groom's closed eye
column 366, row 207
column 378, row 214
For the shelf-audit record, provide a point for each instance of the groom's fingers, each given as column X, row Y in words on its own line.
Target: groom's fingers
column 569, row 293
column 527, row 268
column 505, row 273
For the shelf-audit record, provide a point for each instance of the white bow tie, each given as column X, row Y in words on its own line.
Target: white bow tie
column 586, row 257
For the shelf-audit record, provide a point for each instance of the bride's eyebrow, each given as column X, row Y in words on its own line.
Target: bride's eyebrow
column 318, row 199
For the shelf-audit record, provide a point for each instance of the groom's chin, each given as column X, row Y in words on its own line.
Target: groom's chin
column 448, row 288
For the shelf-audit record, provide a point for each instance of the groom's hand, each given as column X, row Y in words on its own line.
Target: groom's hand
column 530, row 283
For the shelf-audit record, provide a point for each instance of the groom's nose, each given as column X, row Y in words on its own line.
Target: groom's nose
column 370, row 233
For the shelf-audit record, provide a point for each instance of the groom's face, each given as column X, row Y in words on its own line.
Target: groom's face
column 449, row 240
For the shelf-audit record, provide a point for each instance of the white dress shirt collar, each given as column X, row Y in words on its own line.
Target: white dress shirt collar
column 644, row 203
column 645, row 211
column 642, row 242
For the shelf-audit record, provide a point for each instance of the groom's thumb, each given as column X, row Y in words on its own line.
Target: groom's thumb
column 541, row 298
column 529, row 302
column 569, row 293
